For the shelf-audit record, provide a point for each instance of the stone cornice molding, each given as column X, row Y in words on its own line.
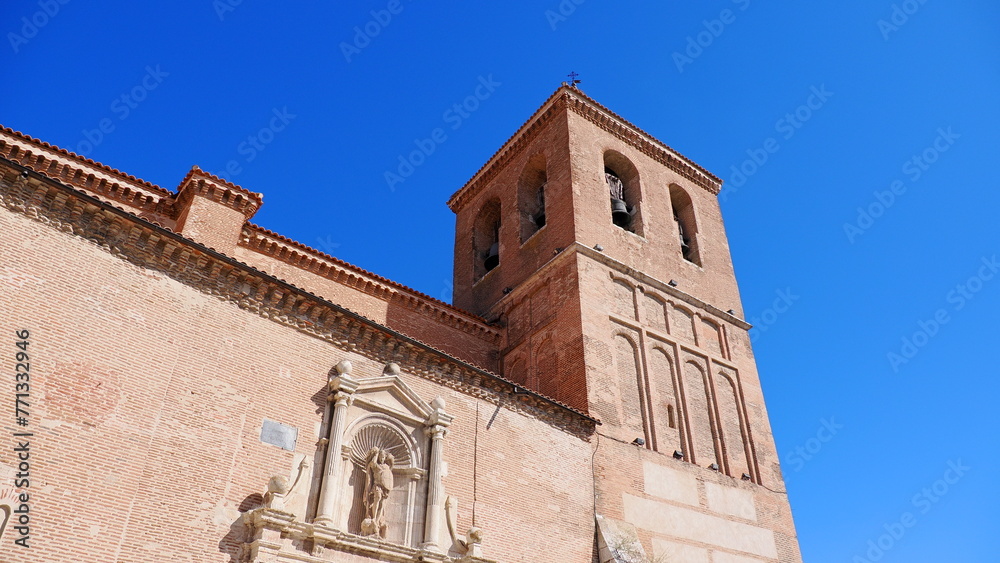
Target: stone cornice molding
column 285, row 525
column 572, row 99
column 151, row 246
column 660, row 285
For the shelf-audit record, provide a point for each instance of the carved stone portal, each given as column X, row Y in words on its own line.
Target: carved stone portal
column 383, row 462
column 378, row 483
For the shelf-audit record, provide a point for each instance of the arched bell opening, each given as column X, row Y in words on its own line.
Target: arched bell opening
column 531, row 196
column 687, row 227
column 486, row 239
column 622, row 181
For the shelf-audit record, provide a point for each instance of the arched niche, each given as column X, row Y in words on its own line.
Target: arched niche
column 623, row 299
column 400, row 449
column 698, row 415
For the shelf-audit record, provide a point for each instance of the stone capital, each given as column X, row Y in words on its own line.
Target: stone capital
column 439, row 418
column 343, row 383
column 436, row 431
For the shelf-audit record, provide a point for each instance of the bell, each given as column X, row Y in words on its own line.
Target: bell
column 619, row 213
column 492, row 257
column 540, row 220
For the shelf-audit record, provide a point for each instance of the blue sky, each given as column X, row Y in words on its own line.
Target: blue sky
column 871, row 223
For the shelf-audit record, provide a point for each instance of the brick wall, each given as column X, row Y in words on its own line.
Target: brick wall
column 148, row 398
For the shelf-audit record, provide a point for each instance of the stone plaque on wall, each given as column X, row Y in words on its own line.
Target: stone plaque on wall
column 278, row 434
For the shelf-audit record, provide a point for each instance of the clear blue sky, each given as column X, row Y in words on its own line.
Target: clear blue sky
column 922, row 84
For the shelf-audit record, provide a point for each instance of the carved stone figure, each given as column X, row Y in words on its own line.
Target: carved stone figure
column 378, row 486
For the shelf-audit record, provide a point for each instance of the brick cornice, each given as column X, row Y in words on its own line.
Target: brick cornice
column 201, row 183
column 153, row 247
column 586, row 107
column 162, row 207
column 572, row 99
column 296, row 254
column 521, row 138
column 150, row 200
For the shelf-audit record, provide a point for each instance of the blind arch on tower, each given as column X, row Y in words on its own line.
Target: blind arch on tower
column 698, row 415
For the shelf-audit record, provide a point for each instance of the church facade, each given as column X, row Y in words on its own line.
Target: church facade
column 190, row 386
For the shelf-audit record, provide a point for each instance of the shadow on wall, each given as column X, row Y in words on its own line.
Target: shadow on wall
column 239, row 534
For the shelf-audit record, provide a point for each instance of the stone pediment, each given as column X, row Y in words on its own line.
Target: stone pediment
column 391, row 395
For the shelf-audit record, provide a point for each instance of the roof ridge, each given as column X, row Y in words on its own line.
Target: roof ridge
column 171, row 197
column 87, row 161
column 197, row 170
column 381, row 279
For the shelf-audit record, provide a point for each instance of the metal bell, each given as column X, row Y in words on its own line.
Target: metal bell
column 620, row 215
column 492, row 257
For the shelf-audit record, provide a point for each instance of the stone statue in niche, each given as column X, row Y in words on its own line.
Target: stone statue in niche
column 378, row 486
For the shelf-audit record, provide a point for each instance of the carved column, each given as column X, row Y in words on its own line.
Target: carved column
column 342, row 390
column 437, row 429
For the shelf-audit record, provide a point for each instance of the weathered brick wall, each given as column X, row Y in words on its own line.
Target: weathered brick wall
column 542, row 347
column 147, row 402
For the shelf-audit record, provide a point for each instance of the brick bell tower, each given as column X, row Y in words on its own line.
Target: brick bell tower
column 602, row 253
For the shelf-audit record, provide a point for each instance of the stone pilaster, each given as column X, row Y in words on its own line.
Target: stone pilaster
column 342, row 389
column 437, row 429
